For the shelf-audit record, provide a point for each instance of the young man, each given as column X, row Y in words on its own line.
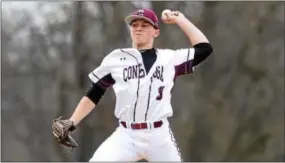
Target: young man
column 142, row 78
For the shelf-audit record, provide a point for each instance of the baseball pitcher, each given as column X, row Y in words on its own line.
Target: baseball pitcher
column 142, row 77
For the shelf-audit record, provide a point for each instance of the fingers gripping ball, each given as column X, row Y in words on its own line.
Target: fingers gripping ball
column 61, row 130
column 170, row 17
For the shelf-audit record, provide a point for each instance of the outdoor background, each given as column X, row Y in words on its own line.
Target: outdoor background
column 230, row 109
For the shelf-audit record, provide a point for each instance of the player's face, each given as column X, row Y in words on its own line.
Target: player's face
column 142, row 32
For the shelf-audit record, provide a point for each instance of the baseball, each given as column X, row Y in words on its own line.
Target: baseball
column 165, row 13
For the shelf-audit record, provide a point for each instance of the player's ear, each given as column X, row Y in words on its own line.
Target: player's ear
column 156, row 33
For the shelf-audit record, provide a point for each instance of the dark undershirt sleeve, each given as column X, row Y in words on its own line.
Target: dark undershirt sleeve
column 202, row 51
column 95, row 93
column 97, row 90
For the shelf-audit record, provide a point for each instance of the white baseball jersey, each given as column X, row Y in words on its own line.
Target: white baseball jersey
column 142, row 96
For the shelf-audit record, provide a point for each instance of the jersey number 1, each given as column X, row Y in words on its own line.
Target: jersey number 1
column 160, row 91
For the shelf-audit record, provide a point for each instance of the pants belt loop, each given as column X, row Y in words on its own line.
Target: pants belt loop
column 165, row 122
column 129, row 125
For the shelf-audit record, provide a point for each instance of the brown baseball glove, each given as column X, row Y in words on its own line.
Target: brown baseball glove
column 61, row 130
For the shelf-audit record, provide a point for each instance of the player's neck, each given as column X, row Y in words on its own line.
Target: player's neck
column 143, row 47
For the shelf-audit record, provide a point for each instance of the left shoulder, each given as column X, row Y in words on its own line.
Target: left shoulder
column 165, row 52
column 174, row 52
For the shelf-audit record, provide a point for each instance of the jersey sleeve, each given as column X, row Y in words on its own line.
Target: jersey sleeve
column 102, row 74
column 183, row 61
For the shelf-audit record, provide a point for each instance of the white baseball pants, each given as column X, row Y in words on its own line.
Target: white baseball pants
column 156, row 144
